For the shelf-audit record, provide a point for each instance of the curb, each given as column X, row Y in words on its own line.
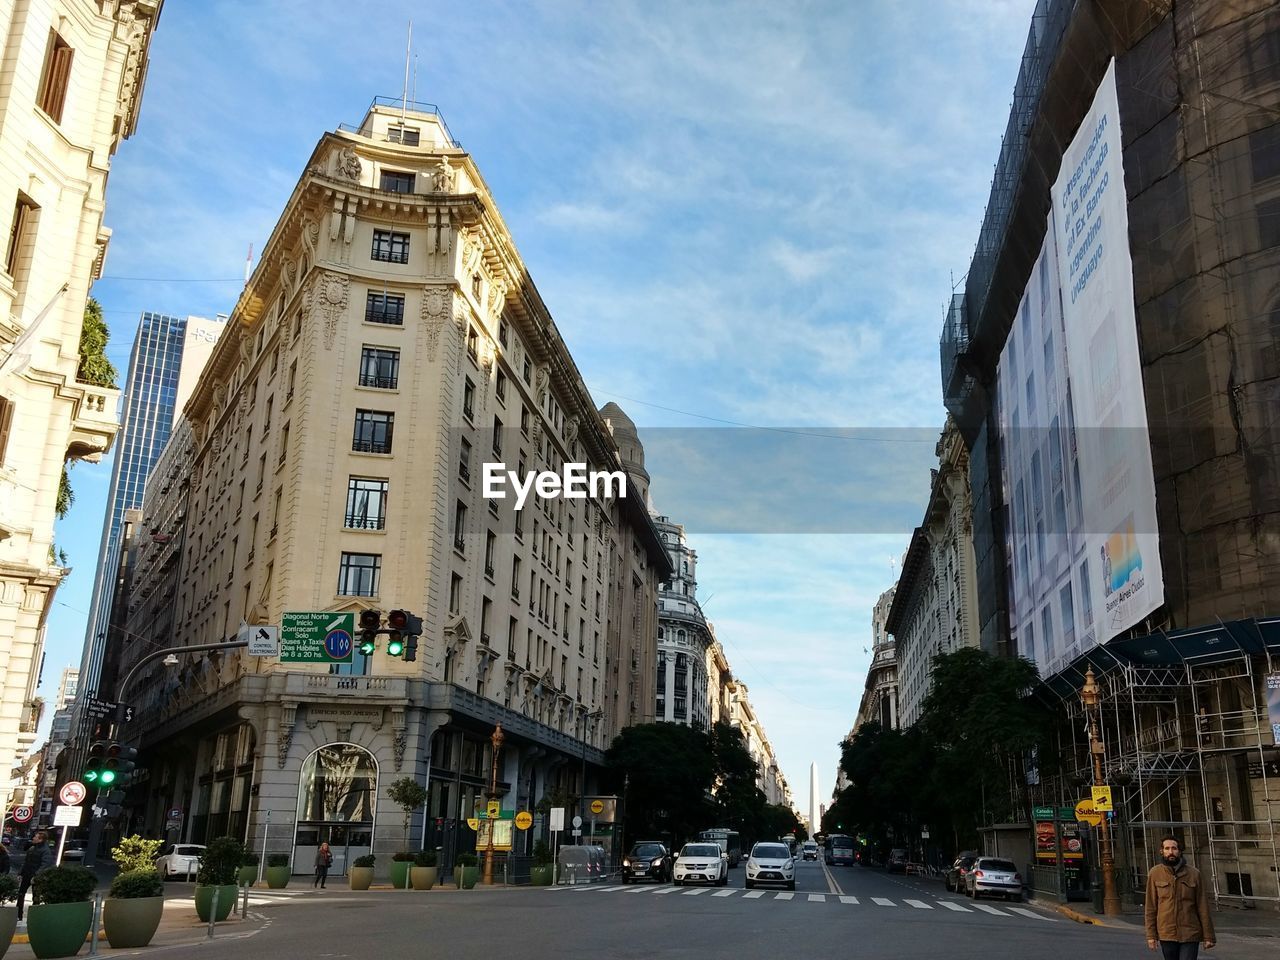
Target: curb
column 25, row 938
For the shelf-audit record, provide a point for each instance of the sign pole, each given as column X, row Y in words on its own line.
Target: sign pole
column 62, row 843
column 263, row 858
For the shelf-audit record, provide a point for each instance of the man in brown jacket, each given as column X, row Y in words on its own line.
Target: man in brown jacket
column 1177, row 906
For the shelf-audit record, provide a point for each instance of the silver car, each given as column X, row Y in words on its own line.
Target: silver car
column 991, row 875
column 771, row 863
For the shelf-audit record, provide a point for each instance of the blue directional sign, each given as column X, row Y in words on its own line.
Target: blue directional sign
column 337, row 644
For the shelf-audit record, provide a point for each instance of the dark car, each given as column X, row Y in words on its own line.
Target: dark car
column 897, row 862
column 648, row 860
column 954, row 878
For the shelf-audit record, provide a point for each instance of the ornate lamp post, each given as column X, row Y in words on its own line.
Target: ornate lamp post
column 1090, row 696
column 496, row 740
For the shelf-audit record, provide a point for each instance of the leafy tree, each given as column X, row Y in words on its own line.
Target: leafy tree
column 407, row 794
column 665, row 771
column 94, row 367
column 66, row 496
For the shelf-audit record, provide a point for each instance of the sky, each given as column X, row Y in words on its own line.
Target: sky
column 741, row 215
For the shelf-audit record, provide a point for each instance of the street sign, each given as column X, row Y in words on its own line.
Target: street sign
column 97, row 709
column 577, row 823
column 263, row 639
column 473, row 823
column 1102, row 799
column 524, row 820
column 172, row 825
column 577, row 832
column 67, row 816
column 73, row 793
column 557, row 818
column 1085, row 813
column 24, row 814
column 924, row 834
column 494, row 809
column 316, row 637
column 175, row 813
column 597, row 807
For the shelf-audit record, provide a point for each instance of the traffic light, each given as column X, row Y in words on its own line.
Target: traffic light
column 402, row 635
column 117, row 771
column 370, row 625
column 93, row 768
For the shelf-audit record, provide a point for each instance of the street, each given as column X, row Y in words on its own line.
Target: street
column 835, row 912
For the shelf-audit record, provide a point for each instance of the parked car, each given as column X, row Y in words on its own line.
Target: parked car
column 993, row 876
column 897, row 862
column 771, row 863
column 648, row 860
column 954, row 879
column 180, row 860
column 701, row 863
column 810, row 850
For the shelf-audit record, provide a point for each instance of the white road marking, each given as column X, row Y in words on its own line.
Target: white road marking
column 671, row 889
column 724, row 893
column 918, row 904
column 817, row 898
column 990, row 909
column 643, row 889
column 832, row 886
column 784, row 896
column 852, row 900
column 1032, row 914
column 611, row 889
column 694, row 892
column 753, row 894
column 883, row 902
column 952, row 905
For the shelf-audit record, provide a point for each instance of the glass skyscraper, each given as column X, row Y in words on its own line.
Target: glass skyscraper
column 168, row 355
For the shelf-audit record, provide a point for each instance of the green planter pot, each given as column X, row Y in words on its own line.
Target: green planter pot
column 278, row 877
column 540, row 876
column 247, row 875
column 226, row 900
column 8, row 924
column 132, row 923
column 423, row 878
column 466, row 877
column 400, row 873
column 58, row 929
column 360, row 877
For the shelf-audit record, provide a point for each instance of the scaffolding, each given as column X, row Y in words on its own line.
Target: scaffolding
column 1189, row 750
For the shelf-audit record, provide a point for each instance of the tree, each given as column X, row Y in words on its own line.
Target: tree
column 94, row 367
column 407, row 794
column 665, row 772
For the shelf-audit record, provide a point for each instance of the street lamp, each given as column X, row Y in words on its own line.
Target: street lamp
column 496, row 741
column 1090, row 696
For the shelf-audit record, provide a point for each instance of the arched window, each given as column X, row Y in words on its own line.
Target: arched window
column 338, row 784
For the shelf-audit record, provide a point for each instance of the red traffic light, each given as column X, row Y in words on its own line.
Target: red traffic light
column 370, row 619
column 397, row 619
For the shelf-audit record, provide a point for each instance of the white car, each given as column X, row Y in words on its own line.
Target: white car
column 701, row 863
column 180, row 861
column 810, row 850
column 771, row 863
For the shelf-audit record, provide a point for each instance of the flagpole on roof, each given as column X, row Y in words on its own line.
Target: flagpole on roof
column 404, row 101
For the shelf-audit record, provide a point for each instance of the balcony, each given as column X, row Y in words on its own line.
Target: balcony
column 94, row 423
column 371, row 446
column 355, row 521
column 381, row 383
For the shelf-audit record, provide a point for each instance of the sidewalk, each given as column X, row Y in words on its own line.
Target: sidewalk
column 1229, row 921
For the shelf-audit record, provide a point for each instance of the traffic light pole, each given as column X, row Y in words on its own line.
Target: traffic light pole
column 122, row 710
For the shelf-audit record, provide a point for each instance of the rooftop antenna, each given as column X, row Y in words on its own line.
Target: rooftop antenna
column 404, row 101
column 248, row 264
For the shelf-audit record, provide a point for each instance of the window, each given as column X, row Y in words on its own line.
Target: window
column 297, row 325
column 284, row 443
column 366, row 504
column 486, row 607
column 390, row 247
column 384, row 308
column 528, row 371
column 490, row 543
column 373, row 431
column 469, row 399
column 52, row 96
column 503, row 332
column 464, row 460
column 293, row 380
column 379, row 367
column 409, row 136
column 455, row 593
column 524, row 420
column 6, row 421
column 21, row 232
column 497, row 440
column 511, row 639
column 358, row 574
column 459, row 525
column 473, row 342
column 501, row 387
column 515, row 578
column 396, row 181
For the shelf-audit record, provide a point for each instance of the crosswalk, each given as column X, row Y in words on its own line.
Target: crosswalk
column 1008, row 911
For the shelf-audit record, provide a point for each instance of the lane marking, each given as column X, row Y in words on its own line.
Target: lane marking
column 694, row 892
column 724, row 893
column 753, row 894
column 918, row 904
column 990, row 909
column 643, row 889
column 832, row 886
column 611, row 889
column 784, row 896
column 1032, row 914
column 852, row 900
column 883, row 902
column 817, row 898
column 950, row 905
column 669, row 889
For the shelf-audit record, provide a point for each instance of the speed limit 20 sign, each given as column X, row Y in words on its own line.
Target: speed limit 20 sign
column 21, row 814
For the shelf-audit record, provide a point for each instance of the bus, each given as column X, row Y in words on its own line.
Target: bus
column 839, row 850
column 729, row 840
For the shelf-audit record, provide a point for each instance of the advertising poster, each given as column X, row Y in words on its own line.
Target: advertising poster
column 1273, row 705
column 1046, row 843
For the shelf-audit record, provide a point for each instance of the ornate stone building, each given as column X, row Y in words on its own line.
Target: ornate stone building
column 71, row 75
column 684, row 638
column 879, row 702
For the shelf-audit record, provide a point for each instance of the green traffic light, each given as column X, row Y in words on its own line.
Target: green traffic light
column 367, row 647
column 395, row 647
column 107, row 776
column 91, row 776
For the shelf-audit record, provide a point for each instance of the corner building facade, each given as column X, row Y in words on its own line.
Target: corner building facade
column 388, row 345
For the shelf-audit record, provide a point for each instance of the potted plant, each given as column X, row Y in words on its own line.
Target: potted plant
column 361, row 873
column 423, row 873
column 8, row 912
column 466, row 873
column 407, row 794
column 60, row 919
column 218, row 869
column 248, row 870
column 540, row 872
column 132, row 913
column 278, row 870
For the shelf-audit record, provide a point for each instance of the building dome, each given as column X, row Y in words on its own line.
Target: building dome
column 630, row 448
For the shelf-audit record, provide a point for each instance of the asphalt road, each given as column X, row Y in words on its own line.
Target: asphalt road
column 835, row 912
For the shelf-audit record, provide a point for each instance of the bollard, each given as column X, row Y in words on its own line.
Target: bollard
column 244, row 906
column 213, row 911
column 97, row 918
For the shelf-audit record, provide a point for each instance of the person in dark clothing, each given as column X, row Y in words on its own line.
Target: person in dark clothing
column 5, row 863
column 324, row 860
column 39, row 857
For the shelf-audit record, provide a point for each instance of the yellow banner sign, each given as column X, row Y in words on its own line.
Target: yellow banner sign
column 1102, row 799
column 494, row 809
column 597, row 806
column 524, row 820
column 1086, row 813
column 473, row 823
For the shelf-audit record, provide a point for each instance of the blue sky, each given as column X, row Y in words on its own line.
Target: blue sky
column 744, row 212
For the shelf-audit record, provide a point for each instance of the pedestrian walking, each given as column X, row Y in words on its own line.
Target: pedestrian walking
column 324, row 860
column 1177, row 906
column 39, row 857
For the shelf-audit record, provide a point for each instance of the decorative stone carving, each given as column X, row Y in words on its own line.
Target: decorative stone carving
column 571, row 429
column 291, row 276
column 398, row 742
column 497, row 296
column 471, row 249
column 349, row 165
column 435, row 309
column 329, row 301
column 288, row 715
column 442, row 177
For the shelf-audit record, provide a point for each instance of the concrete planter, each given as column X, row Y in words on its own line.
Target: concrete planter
column 466, row 877
column 360, row 877
column 400, row 874
column 540, row 876
column 226, row 900
column 278, row 877
column 132, row 923
column 58, row 929
column 8, row 924
column 423, row 878
column 247, row 876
